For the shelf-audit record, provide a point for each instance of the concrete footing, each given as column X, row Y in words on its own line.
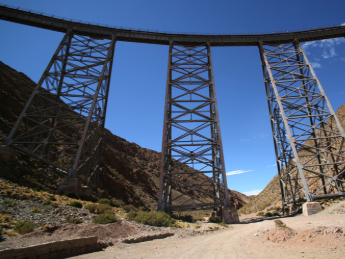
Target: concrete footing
column 311, row 208
column 70, row 185
column 8, row 153
column 230, row 215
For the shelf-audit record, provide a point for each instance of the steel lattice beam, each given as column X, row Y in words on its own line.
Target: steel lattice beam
column 307, row 135
column 192, row 143
column 62, row 122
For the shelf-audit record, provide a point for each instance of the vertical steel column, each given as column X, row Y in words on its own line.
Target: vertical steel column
column 192, row 161
column 306, row 131
column 62, row 123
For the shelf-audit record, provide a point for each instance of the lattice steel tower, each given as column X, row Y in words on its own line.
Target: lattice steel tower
column 192, row 144
column 308, row 137
column 62, row 122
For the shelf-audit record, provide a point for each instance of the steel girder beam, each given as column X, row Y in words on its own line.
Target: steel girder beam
column 308, row 137
column 192, row 145
column 62, row 122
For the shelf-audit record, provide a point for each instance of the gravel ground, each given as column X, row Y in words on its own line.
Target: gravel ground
column 245, row 241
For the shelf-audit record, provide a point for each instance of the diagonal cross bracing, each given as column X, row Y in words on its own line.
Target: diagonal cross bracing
column 192, row 146
column 308, row 137
column 63, row 121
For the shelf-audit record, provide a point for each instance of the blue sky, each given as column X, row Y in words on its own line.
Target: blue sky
column 136, row 101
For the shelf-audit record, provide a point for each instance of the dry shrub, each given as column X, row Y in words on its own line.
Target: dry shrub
column 215, row 219
column 105, row 219
column 153, row 218
column 104, row 201
column 116, row 203
column 280, row 224
column 129, row 208
column 24, row 227
column 268, row 214
column 92, row 208
column 76, row 204
column 102, row 208
column 223, row 224
column 36, row 210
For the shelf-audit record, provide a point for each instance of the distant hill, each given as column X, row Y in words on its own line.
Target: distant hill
column 128, row 171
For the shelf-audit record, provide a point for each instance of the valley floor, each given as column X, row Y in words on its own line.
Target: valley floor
column 318, row 236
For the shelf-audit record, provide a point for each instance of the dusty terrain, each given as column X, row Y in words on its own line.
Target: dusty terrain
column 252, row 240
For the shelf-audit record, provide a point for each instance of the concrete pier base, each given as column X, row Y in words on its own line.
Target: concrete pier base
column 230, row 215
column 311, row 208
column 70, row 185
column 8, row 153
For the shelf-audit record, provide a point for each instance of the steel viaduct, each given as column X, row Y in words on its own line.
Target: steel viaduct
column 62, row 122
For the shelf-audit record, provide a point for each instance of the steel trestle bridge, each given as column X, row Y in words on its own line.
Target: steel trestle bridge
column 62, row 123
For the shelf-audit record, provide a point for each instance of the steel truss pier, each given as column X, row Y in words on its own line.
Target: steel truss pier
column 62, row 122
column 192, row 144
column 308, row 137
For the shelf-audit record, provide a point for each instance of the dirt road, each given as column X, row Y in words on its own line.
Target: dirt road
column 241, row 241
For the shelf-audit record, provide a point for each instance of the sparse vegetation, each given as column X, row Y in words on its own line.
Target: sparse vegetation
column 76, row 204
column 153, row 218
column 105, row 219
column 72, row 220
column 186, row 218
column 116, row 203
column 279, row 223
column 47, row 207
column 223, row 224
column 104, row 201
column 1, row 233
column 103, row 208
column 129, row 208
column 24, row 227
column 36, row 210
column 260, row 214
column 7, row 201
column 215, row 219
column 52, row 198
column 197, row 226
column 274, row 208
column 92, row 207
column 268, row 214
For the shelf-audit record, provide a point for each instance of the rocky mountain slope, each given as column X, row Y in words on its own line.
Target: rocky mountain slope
column 128, row 171
column 271, row 195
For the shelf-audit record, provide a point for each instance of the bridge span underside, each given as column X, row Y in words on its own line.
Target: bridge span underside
column 62, row 122
column 94, row 30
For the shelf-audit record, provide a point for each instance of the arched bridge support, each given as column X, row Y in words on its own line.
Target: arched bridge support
column 192, row 144
column 307, row 135
column 62, row 122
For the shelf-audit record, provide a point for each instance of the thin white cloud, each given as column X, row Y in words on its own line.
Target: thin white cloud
column 254, row 192
column 343, row 24
column 238, row 172
column 315, row 64
column 244, row 139
column 327, row 46
column 271, row 165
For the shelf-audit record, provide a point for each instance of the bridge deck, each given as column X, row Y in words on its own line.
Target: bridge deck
column 62, row 25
